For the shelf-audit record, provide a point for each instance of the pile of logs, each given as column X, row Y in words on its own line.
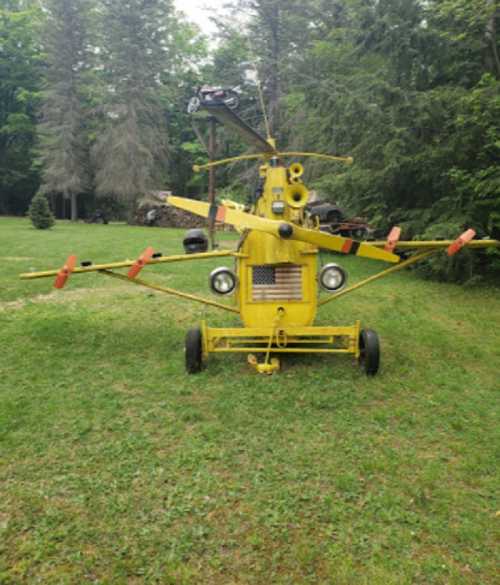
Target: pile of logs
column 168, row 216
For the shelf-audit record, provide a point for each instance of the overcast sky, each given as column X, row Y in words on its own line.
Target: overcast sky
column 197, row 11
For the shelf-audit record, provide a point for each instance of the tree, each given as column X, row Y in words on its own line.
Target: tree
column 64, row 147
column 130, row 153
column 20, row 75
column 277, row 35
column 39, row 212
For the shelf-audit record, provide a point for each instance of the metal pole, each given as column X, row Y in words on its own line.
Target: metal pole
column 419, row 256
column 126, row 263
column 171, row 291
column 211, row 180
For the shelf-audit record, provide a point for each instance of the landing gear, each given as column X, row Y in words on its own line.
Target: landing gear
column 194, row 352
column 369, row 348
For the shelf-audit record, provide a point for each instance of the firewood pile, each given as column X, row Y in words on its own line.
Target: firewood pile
column 167, row 216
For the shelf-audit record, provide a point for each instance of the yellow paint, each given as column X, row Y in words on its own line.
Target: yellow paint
column 127, row 263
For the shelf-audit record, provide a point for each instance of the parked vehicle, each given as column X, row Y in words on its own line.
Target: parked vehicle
column 355, row 227
column 208, row 94
column 325, row 211
column 333, row 220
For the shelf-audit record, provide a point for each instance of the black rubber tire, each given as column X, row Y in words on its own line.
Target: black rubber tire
column 369, row 347
column 232, row 100
column 193, row 350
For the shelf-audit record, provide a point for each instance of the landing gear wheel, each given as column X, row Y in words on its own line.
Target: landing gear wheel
column 193, row 349
column 369, row 347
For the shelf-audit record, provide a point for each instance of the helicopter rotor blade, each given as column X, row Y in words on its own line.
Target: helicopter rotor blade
column 139, row 264
column 342, row 244
column 282, row 229
column 65, row 272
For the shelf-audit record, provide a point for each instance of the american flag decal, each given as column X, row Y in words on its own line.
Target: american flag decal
column 277, row 283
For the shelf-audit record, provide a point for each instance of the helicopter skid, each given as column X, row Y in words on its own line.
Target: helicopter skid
column 284, row 339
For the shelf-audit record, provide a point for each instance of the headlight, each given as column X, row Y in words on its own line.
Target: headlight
column 278, row 207
column 332, row 277
column 222, row 281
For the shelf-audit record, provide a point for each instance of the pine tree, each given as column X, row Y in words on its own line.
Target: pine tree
column 39, row 212
column 20, row 75
column 130, row 152
column 277, row 35
column 64, row 141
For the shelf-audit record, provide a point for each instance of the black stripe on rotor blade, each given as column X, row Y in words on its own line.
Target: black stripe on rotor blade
column 354, row 247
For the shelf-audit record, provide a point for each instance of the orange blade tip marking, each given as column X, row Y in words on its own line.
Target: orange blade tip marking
column 460, row 242
column 139, row 264
column 346, row 246
column 392, row 239
column 64, row 273
column 221, row 213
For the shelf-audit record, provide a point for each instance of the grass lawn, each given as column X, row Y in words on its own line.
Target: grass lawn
column 117, row 467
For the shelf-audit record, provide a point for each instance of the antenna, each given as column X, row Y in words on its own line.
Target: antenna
column 262, row 104
column 259, row 90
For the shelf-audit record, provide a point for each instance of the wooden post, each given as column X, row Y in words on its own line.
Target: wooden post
column 211, row 179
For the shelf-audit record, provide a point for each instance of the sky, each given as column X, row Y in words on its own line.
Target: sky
column 198, row 11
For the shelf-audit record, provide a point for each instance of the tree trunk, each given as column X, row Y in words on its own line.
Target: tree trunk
column 492, row 59
column 211, row 179
column 74, row 207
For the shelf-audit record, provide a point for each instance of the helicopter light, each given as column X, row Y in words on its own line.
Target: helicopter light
column 333, row 277
column 222, row 281
column 278, row 207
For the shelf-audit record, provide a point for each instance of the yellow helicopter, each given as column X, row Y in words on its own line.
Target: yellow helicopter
column 276, row 281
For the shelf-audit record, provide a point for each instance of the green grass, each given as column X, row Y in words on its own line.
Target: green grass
column 117, row 467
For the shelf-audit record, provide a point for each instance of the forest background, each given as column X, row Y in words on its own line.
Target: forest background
column 93, row 98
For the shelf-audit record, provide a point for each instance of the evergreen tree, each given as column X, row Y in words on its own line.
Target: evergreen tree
column 64, row 140
column 39, row 212
column 277, row 35
column 130, row 153
column 20, row 75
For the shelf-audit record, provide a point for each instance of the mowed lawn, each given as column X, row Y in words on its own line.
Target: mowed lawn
column 117, row 467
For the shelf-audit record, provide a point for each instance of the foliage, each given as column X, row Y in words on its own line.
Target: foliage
column 131, row 148
column 409, row 88
column 64, row 148
column 19, row 96
column 40, row 213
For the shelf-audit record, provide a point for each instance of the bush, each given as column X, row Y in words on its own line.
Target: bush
column 463, row 267
column 39, row 212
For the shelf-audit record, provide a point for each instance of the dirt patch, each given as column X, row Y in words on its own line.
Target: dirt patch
column 65, row 297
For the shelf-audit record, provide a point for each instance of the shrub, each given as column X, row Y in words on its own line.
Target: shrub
column 463, row 267
column 39, row 212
